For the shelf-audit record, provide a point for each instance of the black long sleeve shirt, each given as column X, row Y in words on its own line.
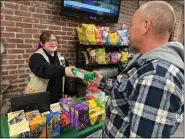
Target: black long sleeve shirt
column 52, row 71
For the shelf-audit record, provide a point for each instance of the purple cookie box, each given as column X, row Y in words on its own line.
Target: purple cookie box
column 83, row 114
column 72, row 114
column 66, row 104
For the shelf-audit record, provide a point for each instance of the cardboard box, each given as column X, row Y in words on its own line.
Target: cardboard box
column 72, row 112
column 81, row 118
column 20, row 132
column 44, row 113
column 24, row 123
column 53, row 124
column 17, row 117
column 91, row 111
column 64, row 120
column 66, row 104
column 55, row 107
column 38, row 128
column 33, row 115
column 97, row 116
column 91, row 103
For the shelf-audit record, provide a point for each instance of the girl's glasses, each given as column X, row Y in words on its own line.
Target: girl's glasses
column 50, row 40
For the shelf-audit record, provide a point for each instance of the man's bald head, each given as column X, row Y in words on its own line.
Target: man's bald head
column 161, row 15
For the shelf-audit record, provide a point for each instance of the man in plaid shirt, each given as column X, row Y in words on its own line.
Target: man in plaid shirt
column 147, row 99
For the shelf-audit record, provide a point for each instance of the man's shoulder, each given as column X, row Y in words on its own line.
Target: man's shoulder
column 158, row 67
column 146, row 66
column 141, row 67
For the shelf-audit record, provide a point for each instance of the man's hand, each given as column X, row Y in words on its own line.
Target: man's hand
column 68, row 71
column 97, row 79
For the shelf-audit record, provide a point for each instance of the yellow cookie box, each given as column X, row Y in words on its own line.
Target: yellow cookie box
column 38, row 128
column 91, row 103
column 91, row 111
column 16, row 117
column 99, row 115
column 20, row 132
column 55, row 107
column 23, row 123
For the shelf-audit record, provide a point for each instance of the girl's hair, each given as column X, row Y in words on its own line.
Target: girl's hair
column 44, row 37
column 39, row 46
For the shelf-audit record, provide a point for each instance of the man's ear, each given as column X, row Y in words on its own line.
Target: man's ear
column 146, row 26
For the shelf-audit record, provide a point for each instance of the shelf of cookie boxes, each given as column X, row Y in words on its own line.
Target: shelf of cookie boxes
column 67, row 112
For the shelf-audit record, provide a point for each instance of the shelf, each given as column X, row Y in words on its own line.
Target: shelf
column 104, row 46
column 94, row 65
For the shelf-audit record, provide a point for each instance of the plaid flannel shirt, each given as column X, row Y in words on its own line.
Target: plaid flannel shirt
column 147, row 101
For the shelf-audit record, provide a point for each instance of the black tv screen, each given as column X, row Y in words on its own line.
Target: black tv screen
column 98, row 10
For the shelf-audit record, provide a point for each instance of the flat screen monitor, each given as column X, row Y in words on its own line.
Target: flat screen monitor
column 28, row 102
column 98, row 10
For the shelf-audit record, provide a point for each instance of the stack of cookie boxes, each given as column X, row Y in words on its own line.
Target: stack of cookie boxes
column 77, row 112
column 33, row 124
column 81, row 114
column 96, row 113
column 49, row 124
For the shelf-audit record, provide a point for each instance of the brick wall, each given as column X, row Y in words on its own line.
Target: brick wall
column 21, row 24
column 177, row 34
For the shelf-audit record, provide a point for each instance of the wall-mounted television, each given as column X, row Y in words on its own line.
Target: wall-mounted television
column 103, row 11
